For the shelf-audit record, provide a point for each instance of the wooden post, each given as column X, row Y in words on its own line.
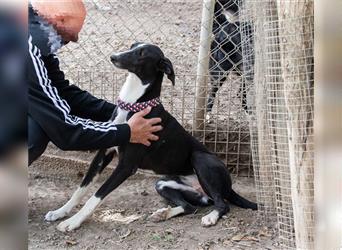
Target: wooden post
column 203, row 62
column 296, row 52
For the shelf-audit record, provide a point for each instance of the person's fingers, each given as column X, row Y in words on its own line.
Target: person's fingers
column 153, row 137
column 156, row 128
column 153, row 121
column 146, row 143
column 144, row 112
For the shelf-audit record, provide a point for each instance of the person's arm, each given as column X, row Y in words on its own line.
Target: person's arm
column 70, row 132
column 52, row 113
column 81, row 102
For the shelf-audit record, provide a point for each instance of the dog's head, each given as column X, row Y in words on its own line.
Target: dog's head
column 146, row 61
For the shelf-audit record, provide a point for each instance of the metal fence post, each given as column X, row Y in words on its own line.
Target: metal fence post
column 203, row 62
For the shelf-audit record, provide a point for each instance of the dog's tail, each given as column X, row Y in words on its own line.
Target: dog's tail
column 239, row 201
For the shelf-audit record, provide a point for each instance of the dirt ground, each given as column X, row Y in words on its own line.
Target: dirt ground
column 53, row 179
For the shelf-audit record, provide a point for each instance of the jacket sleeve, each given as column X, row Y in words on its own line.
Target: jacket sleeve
column 81, row 102
column 53, row 113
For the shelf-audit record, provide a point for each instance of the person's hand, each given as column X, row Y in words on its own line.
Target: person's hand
column 142, row 129
column 67, row 16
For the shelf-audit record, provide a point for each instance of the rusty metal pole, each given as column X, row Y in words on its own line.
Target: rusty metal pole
column 203, row 62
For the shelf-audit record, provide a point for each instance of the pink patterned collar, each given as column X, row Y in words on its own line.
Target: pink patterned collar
column 138, row 106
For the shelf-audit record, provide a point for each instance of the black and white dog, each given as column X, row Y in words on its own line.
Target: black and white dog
column 194, row 176
column 226, row 49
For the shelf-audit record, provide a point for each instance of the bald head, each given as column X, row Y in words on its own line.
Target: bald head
column 67, row 16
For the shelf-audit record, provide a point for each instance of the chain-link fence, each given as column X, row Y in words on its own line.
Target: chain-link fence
column 175, row 26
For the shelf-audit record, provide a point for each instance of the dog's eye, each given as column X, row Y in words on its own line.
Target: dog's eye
column 141, row 52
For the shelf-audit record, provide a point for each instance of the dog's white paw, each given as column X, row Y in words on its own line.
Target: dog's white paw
column 55, row 215
column 210, row 219
column 161, row 214
column 69, row 225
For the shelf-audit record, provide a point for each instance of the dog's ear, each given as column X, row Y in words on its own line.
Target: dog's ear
column 135, row 44
column 165, row 66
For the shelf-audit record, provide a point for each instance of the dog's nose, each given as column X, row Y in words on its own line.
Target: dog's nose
column 113, row 58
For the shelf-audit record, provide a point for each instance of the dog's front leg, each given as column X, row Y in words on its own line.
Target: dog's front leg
column 120, row 174
column 101, row 160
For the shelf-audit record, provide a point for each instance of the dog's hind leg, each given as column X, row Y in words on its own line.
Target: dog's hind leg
column 216, row 84
column 215, row 181
column 184, row 196
column 216, row 79
column 220, row 208
column 100, row 161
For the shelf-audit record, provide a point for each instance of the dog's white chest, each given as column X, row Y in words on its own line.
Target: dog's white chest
column 132, row 89
column 130, row 92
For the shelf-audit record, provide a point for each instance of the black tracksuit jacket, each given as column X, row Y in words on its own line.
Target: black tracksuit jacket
column 72, row 118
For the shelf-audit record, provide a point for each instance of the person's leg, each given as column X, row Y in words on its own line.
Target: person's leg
column 37, row 140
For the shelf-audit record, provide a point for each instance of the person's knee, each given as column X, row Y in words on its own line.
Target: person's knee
column 36, row 150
